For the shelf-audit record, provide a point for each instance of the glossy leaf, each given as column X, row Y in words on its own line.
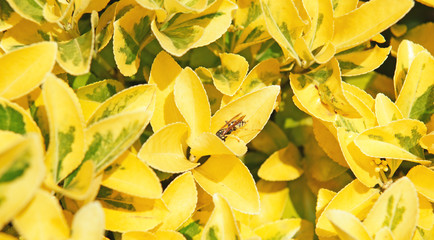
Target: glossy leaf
column 362, row 61
column 227, row 176
column 128, row 174
column 15, row 119
column 185, row 6
column 28, row 9
column 24, row 69
column 385, row 110
column 164, row 150
column 165, row 100
column 421, row 177
column 229, row 76
column 22, row 172
column 99, row 91
column 66, row 120
column 326, row 135
column 397, row 140
column 347, row 225
column 282, row 165
column 294, row 228
column 180, row 198
column 427, row 142
column 221, row 224
column 209, row 144
column 396, row 209
column 324, row 197
column 88, row 222
column 419, row 34
column 105, row 29
column 426, row 213
column 42, row 219
column 8, row 18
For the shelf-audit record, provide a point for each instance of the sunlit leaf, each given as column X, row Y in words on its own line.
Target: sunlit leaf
column 125, row 213
column 385, row 110
column 105, row 29
column 282, row 165
column 214, row 95
column 180, row 198
column 229, row 75
column 192, row 102
column 396, row 209
column 363, row 103
column 426, row 213
column 326, row 135
column 88, row 222
column 28, row 9
column 8, row 18
column 347, row 225
column 227, row 176
column 136, row 235
column 22, row 172
column 171, row 235
column 221, row 223
column 270, row 139
column 15, row 119
column 420, row 34
column 24, row 69
column 397, row 140
column 130, row 33
column 421, row 177
column 294, row 228
column 209, row 144
column 320, row 92
column 164, row 71
column 99, row 91
column 66, row 120
column 324, row 197
column 427, row 142
column 128, row 174
column 185, row 6
column 366, row 21
column 362, row 61
column 42, row 219
column 417, row 93
column 354, row 198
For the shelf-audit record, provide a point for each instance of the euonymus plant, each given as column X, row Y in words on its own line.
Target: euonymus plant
column 215, row 119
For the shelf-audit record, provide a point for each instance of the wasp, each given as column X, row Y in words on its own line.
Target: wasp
column 230, row 126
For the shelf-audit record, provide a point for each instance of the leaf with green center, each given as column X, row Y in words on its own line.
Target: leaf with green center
column 417, row 94
column 282, row 165
column 8, row 18
column 185, row 6
column 229, row 76
column 320, row 31
column 99, row 91
column 25, row 69
column 180, row 198
column 140, row 98
column 185, row 31
column 43, row 217
column 395, row 209
column 354, row 198
column 88, row 222
column 221, row 223
column 66, row 121
column 128, row 174
column 164, row 72
column 28, row 9
column 15, row 119
column 229, row 177
column 347, row 225
column 284, row 28
column 421, row 177
column 397, row 140
column 126, row 213
column 129, row 38
column 192, row 102
column 385, row 110
column 294, row 228
column 21, row 174
column 366, row 21
column 105, row 29
column 320, row 92
column 165, row 149
column 405, row 56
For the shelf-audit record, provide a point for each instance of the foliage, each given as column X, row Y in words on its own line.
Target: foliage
column 215, row 119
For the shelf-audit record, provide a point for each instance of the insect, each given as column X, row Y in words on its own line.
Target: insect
column 230, row 126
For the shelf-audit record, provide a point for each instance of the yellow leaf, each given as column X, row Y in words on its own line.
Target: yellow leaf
column 406, row 54
column 256, row 107
column 88, row 107
column 342, row 7
column 230, row 74
column 421, row 177
column 130, row 33
column 96, row 5
column 362, row 61
column 209, row 144
column 88, row 222
column 28, row 9
column 184, row 6
column 419, row 34
column 4, row 236
column 426, row 214
column 294, row 228
column 265, row 73
column 416, row 96
column 128, row 174
column 397, row 140
column 273, row 197
column 66, row 149
column 385, row 110
column 321, row 17
column 396, row 209
column 24, row 69
column 9, row 17
column 55, row 12
column 282, row 165
column 42, row 219
column 366, row 21
column 105, row 29
column 164, row 71
column 284, row 28
column 427, row 142
column 169, row 235
column 270, row 139
column 354, row 198
column 227, row 175
column 140, row 98
column 125, row 213
column 214, row 95
column 324, row 197
column 180, row 198
column 320, row 92
column 347, row 226
column 192, row 102
column 138, row 236
column 384, row 234
column 165, row 149
column 361, row 101
column 221, row 224
column 99, row 91
column 21, row 173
